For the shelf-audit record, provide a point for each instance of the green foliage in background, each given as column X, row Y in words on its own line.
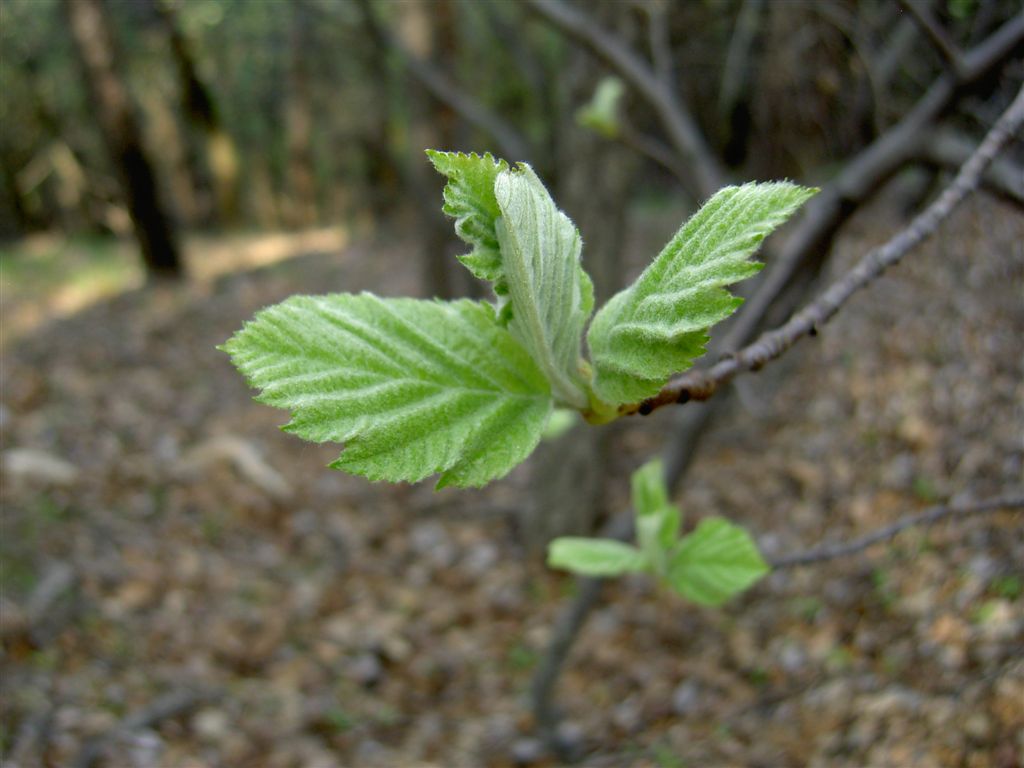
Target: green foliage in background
column 465, row 389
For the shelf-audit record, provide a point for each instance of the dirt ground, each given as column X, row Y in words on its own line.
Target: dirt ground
column 184, row 585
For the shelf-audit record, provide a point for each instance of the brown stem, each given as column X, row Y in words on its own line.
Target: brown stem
column 702, row 384
column 928, row 517
column 706, row 175
column 936, row 35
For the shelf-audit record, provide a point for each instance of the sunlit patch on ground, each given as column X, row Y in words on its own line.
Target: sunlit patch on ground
column 48, row 276
column 222, row 255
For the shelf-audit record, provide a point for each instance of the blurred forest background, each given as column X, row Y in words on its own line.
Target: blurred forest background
column 182, row 585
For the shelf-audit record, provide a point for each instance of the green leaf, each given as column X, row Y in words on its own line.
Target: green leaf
column 551, row 295
column 650, row 495
column 601, row 114
column 658, row 326
column 469, row 199
column 560, row 422
column 657, row 519
column 411, row 387
column 595, row 557
column 715, row 562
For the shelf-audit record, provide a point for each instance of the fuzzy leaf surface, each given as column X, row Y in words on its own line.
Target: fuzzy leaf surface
column 551, row 295
column 657, row 519
column 469, row 199
column 658, row 326
column 715, row 562
column 411, row 387
column 595, row 557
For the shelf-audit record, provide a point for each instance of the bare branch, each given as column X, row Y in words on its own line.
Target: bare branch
column 860, row 177
column 928, row 517
column 511, row 144
column 702, row 384
column 652, row 149
column 661, row 50
column 948, row 149
column 863, row 173
column 936, row 35
column 683, row 132
column 994, row 48
column 896, row 48
column 736, row 73
column 542, row 686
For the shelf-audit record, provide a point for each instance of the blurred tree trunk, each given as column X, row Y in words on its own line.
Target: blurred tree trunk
column 94, row 45
column 423, row 29
column 302, row 209
column 440, row 262
column 20, row 207
column 265, row 204
column 201, row 108
column 383, row 174
column 178, row 167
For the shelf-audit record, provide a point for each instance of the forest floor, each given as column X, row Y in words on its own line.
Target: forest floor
column 185, row 585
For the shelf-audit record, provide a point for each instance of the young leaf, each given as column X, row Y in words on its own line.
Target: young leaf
column 715, row 562
column 601, row 114
column 595, row 557
column 411, row 387
column 657, row 520
column 658, row 326
column 469, row 199
column 551, row 295
column 560, row 422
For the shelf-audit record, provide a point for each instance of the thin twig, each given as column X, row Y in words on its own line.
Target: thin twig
column 510, row 142
column 652, row 149
column 737, row 69
column 702, row 384
column 658, row 39
column 542, row 686
column 949, row 150
column 928, row 517
column 564, row 634
column 859, row 178
column 936, row 35
column 686, row 137
column 862, row 174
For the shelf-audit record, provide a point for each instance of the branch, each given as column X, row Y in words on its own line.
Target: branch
column 812, row 235
column 736, row 73
column 542, row 686
column 652, row 149
column 707, row 176
column 872, row 165
column 936, row 35
column 928, row 517
column 702, row 384
column 661, row 49
column 948, row 149
column 511, row 144
column 996, row 47
column 888, row 60
column 861, row 176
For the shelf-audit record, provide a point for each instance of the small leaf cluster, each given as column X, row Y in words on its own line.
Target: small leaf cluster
column 601, row 114
column 715, row 562
column 465, row 390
